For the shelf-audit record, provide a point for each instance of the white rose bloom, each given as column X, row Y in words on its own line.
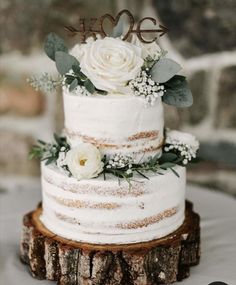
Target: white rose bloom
column 151, row 50
column 109, row 63
column 183, row 138
column 78, row 50
column 84, row 161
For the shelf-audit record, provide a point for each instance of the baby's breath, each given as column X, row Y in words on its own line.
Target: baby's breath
column 145, row 87
column 118, row 161
column 185, row 151
column 44, row 82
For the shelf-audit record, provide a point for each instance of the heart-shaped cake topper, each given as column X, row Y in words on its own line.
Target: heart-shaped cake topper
column 116, row 20
column 96, row 26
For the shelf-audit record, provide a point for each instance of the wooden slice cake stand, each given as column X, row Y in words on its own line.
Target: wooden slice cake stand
column 160, row 261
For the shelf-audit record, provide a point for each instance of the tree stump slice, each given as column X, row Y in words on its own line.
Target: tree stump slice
column 160, row 261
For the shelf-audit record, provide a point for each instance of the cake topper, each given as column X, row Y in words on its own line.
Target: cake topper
column 96, row 26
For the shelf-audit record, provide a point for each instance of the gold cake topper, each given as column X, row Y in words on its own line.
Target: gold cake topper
column 96, row 26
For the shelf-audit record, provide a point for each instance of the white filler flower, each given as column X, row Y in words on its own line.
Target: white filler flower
column 110, row 63
column 174, row 136
column 186, row 144
column 84, row 161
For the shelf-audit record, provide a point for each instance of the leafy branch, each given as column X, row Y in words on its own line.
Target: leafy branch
column 67, row 65
column 122, row 168
column 177, row 91
column 49, row 152
column 155, row 164
column 78, row 78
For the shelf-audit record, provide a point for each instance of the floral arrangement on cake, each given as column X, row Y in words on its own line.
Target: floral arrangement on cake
column 85, row 160
column 138, row 68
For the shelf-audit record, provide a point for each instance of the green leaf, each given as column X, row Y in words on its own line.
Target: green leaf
column 41, row 142
column 141, row 174
column 170, row 157
column 174, row 171
column 52, row 44
column 177, row 92
column 166, row 165
column 69, row 78
column 50, row 160
column 76, row 69
column 33, row 154
column 153, row 160
column 64, row 62
column 73, row 85
column 164, row 69
column 101, row 92
column 89, row 86
column 175, row 81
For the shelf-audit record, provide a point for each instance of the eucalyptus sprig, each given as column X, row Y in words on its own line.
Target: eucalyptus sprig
column 49, row 152
column 155, row 165
column 77, row 78
column 177, row 92
column 67, row 65
column 122, row 167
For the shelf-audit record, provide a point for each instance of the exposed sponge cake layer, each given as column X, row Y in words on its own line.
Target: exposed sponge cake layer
column 98, row 211
column 115, row 123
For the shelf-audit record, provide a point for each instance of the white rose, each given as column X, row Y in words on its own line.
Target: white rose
column 109, row 63
column 78, row 50
column 151, row 50
column 184, row 138
column 84, row 161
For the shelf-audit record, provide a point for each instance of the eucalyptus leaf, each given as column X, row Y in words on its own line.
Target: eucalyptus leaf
column 78, row 74
column 69, row 79
column 177, row 92
column 50, row 160
column 41, row 142
column 82, row 77
column 52, row 44
column 153, row 160
column 141, row 174
column 174, row 171
column 168, row 157
column 65, row 62
column 164, row 69
column 89, row 86
column 167, row 165
column 101, row 92
column 76, row 69
column 73, row 85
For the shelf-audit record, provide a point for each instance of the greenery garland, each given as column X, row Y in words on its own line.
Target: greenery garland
column 162, row 71
column 49, row 152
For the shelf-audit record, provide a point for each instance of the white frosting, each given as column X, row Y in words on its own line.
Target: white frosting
column 98, row 211
column 115, row 123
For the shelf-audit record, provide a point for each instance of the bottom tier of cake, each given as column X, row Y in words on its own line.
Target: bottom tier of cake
column 160, row 261
column 109, row 212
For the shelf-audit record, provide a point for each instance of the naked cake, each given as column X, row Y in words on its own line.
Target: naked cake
column 114, row 181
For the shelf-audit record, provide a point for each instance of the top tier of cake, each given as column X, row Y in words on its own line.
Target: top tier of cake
column 115, row 123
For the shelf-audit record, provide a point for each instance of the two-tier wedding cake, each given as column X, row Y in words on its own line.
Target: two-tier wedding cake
column 116, row 177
